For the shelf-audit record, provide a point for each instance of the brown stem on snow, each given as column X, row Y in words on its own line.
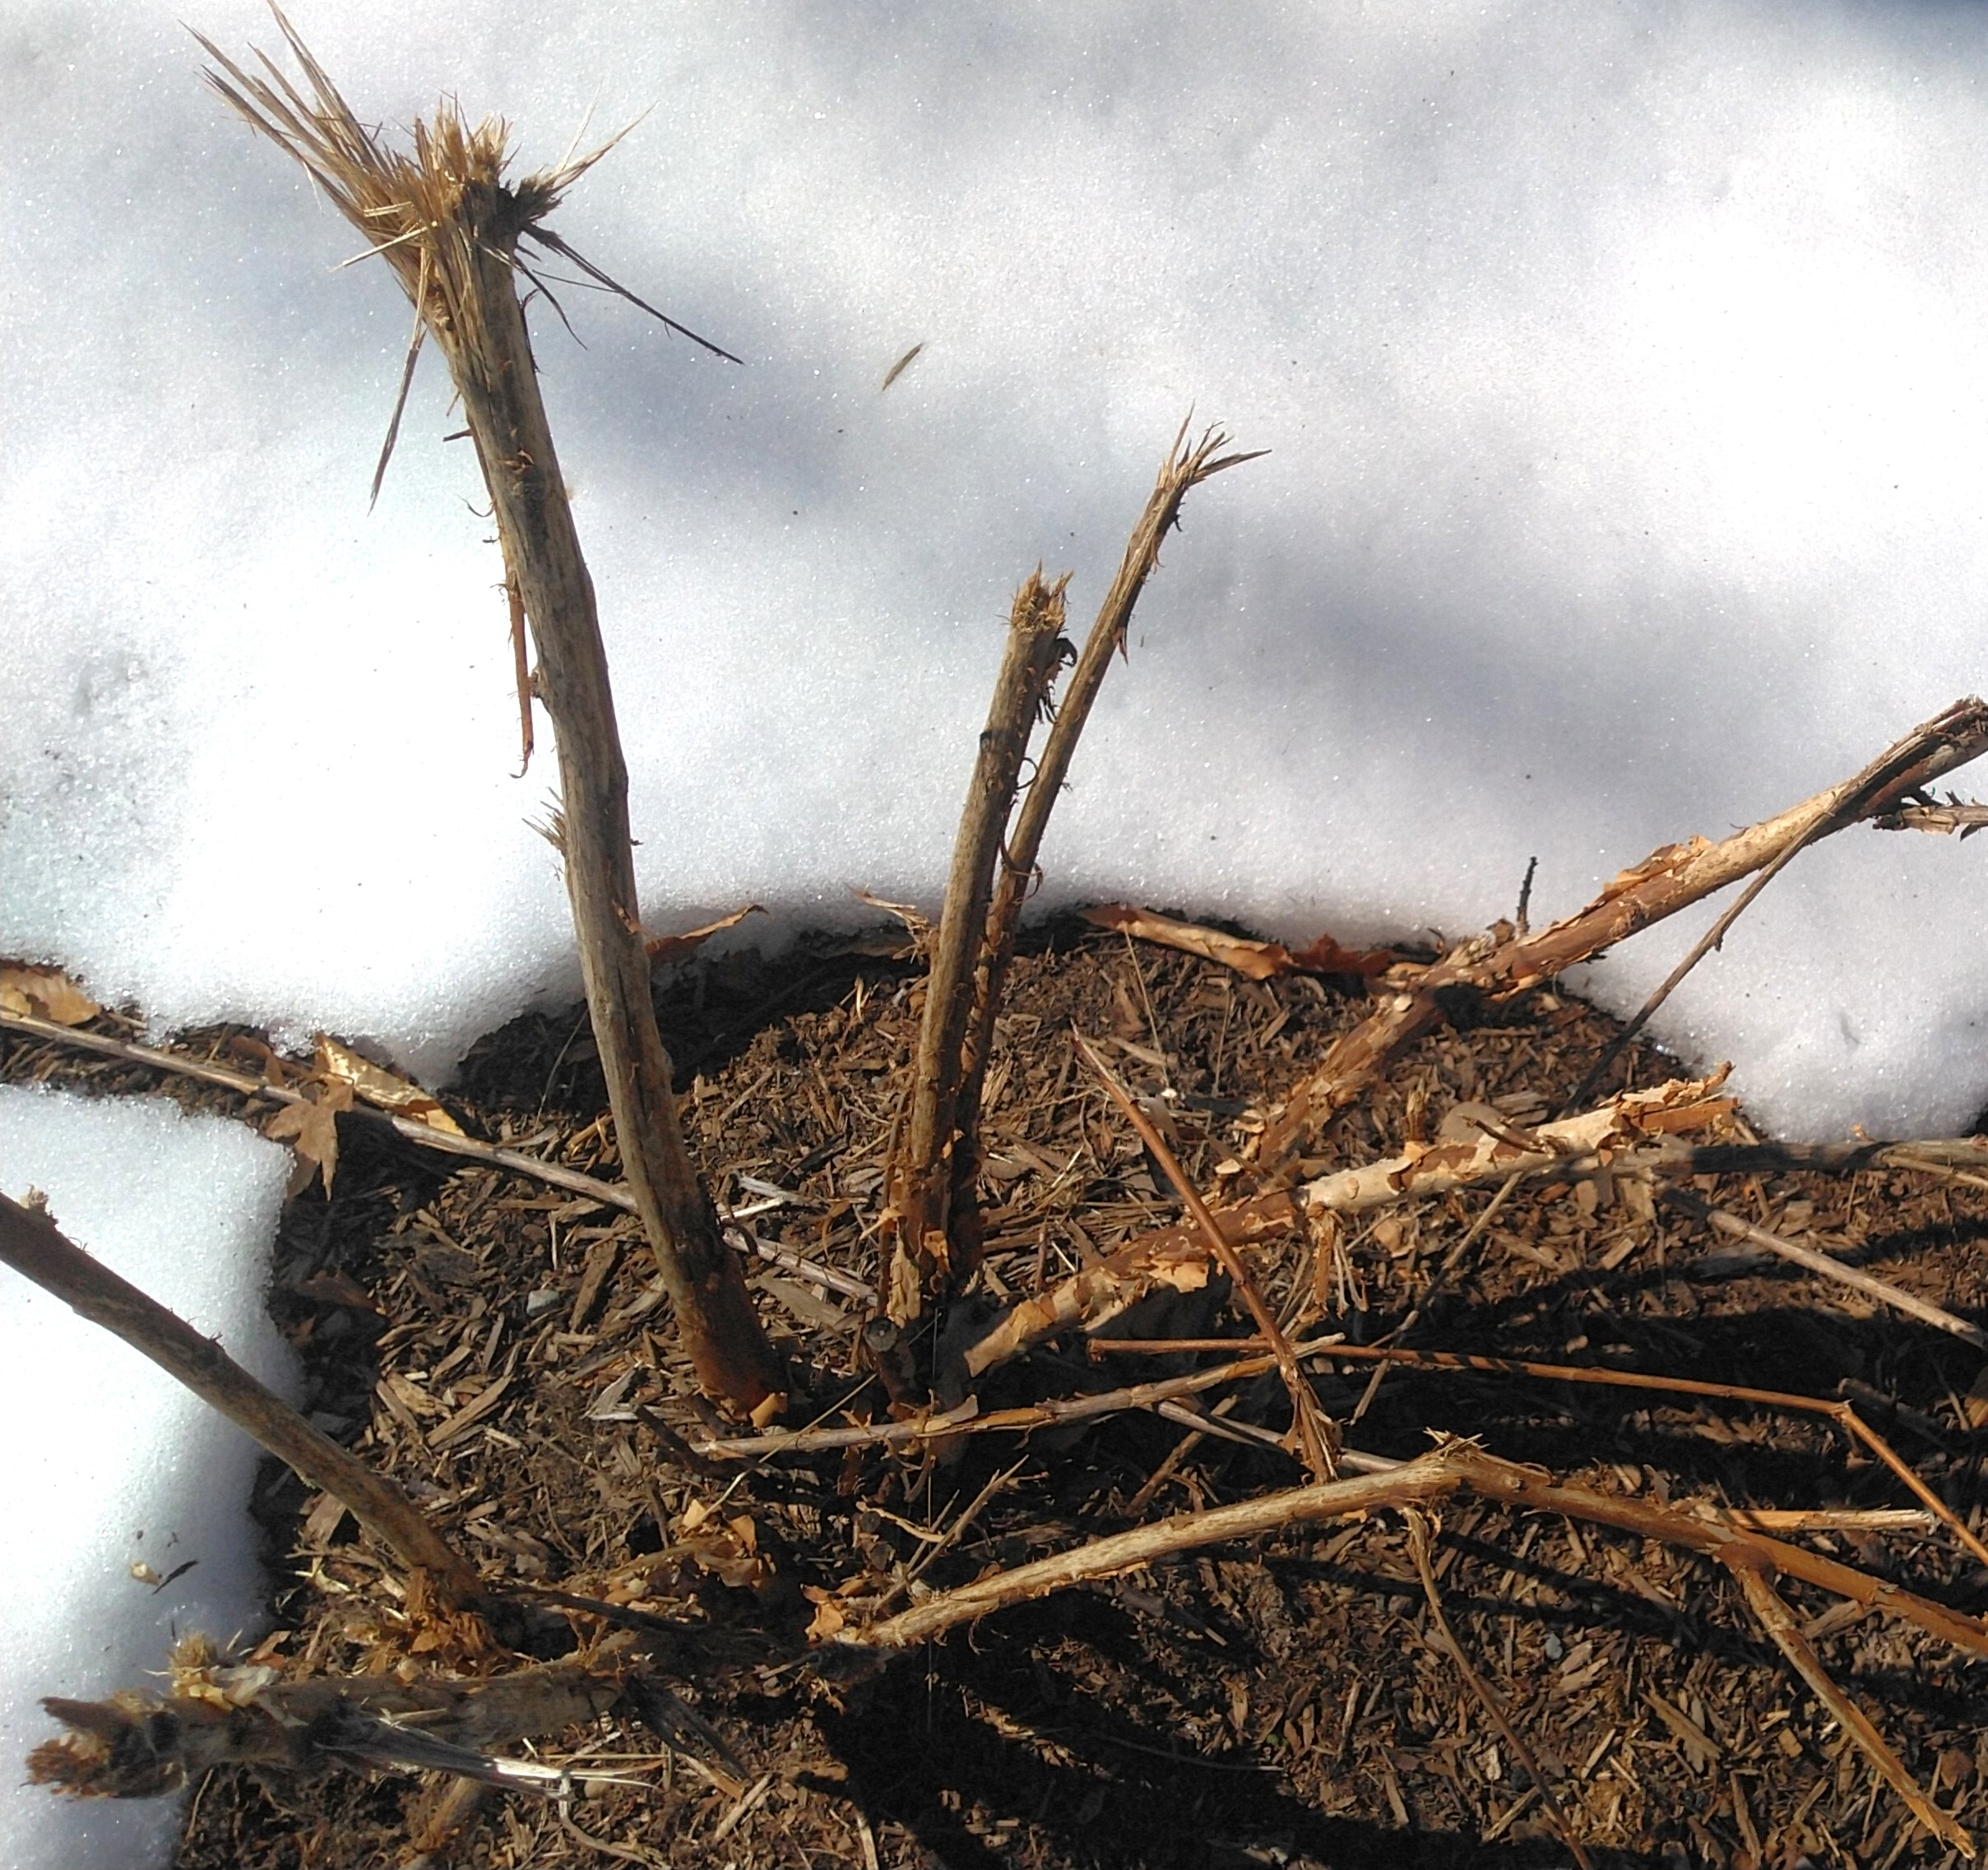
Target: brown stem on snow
column 32, row 1245
column 1668, row 880
column 924, row 1255
column 449, row 224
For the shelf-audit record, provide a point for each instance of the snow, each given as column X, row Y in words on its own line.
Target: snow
column 1622, row 367
column 109, row 1462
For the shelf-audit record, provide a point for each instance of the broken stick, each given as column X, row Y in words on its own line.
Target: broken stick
column 450, row 226
column 1669, row 879
column 31, row 1244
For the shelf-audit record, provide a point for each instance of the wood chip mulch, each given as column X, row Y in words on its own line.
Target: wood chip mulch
column 503, row 1349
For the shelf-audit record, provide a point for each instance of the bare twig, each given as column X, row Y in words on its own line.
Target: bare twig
column 1188, row 465
column 1454, row 1467
column 1780, row 1622
column 1814, row 1261
column 1854, row 800
column 556, row 1175
column 1418, row 1549
column 30, row 1244
column 1956, row 815
column 1254, row 961
column 1315, row 1435
column 448, row 223
column 1389, row 1357
column 923, row 1253
column 1669, row 879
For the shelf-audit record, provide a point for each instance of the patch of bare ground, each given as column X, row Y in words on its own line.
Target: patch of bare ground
column 501, row 1348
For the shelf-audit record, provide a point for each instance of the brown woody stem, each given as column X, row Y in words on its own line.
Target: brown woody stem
column 1669, row 879
column 1187, row 465
column 36, row 1248
column 923, row 1255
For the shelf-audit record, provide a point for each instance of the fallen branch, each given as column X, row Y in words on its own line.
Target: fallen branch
column 553, row 1174
column 1501, row 1149
column 136, row 1746
column 1254, row 961
column 30, row 1244
column 1669, row 879
column 1455, row 1467
column 1770, row 1608
column 1389, row 1357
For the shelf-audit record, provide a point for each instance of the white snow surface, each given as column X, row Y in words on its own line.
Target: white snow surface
column 108, row 1462
column 1623, row 366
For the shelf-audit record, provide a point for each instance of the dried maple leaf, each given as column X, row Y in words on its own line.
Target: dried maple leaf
column 377, row 1085
column 44, row 993
column 311, row 1128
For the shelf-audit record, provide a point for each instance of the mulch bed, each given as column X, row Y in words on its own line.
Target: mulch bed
column 502, row 1348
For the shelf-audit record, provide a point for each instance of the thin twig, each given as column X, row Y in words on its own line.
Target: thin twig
column 1418, row 1549
column 1809, row 1257
column 1387, row 1356
column 1780, row 1622
column 1454, row 1467
column 1315, row 1435
column 555, row 1175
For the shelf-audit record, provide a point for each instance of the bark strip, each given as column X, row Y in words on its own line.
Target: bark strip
column 32, row 1245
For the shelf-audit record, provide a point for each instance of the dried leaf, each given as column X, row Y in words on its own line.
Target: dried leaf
column 311, row 1128
column 727, row 1548
column 378, row 1087
column 1254, row 961
column 44, row 993
column 674, row 947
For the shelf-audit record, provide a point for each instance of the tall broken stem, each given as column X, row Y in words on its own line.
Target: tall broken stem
column 449, row 224
column 923, row 1255
column 36, row 1248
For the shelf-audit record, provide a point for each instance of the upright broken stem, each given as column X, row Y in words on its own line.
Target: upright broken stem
column 923, row 1255
column 1187, row 465
column 449, row 224
column 36, row 1248
column 498, row 385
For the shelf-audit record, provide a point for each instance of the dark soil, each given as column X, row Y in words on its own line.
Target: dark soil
column 1288, row 1704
